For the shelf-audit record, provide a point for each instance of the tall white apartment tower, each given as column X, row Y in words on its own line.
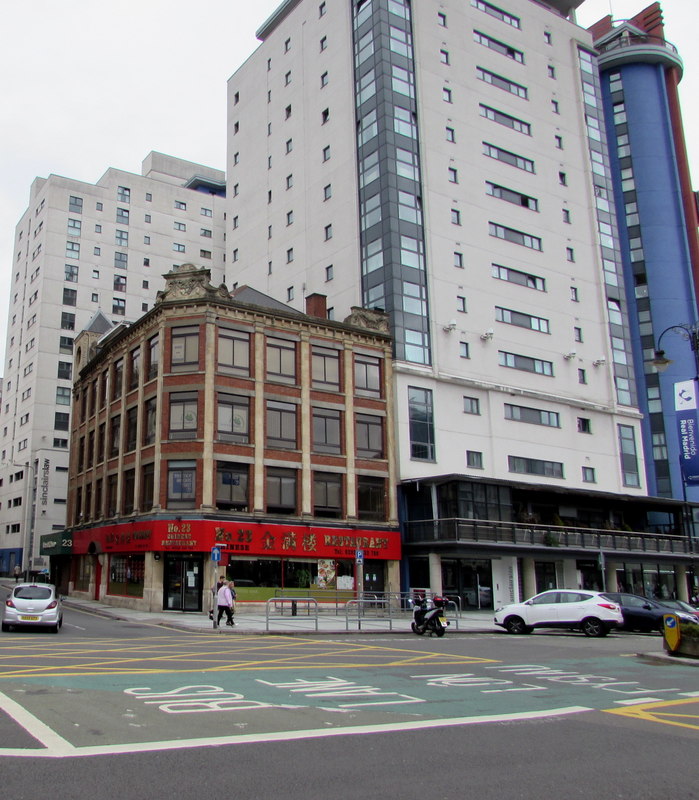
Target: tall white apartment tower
column 85, row 255
column 445, row 161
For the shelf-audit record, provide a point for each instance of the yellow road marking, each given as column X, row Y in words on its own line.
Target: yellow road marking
column 654, row 712
column 137, row 654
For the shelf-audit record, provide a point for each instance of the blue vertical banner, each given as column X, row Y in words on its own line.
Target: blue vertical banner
column 688, row 429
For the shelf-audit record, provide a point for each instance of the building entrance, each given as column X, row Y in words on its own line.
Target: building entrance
column 470, row 579
column 183, row 582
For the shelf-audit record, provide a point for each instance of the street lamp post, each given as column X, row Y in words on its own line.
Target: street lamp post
column 689, row 333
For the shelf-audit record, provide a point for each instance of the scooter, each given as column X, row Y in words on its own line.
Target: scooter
column 429, row 616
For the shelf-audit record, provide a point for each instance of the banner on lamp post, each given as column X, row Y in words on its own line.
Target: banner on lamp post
column 687, row 416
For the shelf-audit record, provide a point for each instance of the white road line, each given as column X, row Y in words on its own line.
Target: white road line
column 55, row 745
column 689, row 694
column 638, row 700
column 62, row 749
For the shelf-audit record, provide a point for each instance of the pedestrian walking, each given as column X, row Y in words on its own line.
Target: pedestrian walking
column 231, row 586
column 224, row 600
column 17, row 572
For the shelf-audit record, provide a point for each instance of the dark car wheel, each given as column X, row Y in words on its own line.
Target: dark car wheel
column 5, row 627
column 516, row 625
column 594, row 627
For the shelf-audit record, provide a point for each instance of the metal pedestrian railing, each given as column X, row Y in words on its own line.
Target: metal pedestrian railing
column 276, row 607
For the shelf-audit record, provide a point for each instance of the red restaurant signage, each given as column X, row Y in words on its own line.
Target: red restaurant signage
column 238, row 538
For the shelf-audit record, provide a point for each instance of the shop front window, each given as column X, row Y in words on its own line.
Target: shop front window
column 126, row 575
column 83, row 573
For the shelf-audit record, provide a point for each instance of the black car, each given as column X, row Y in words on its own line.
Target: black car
column 642, row 613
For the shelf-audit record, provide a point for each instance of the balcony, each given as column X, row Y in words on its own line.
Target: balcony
column 546, row 538
column 627, row 49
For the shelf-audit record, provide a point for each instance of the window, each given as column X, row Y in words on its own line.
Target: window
column 121, row 260
column 206, row 212
column 179, row 226
column 289, row 255
column 185, row 347
column 472, row 405
column 65, row 345
column 516, row 276
column 441, row 19
column 508, row 157
column 233, row 418
column 628, row 456
column 455, row 216
column 118, row 306
column 459, row 260
column 525, row 363
column 281, row 360
column 122, row 216
column 325, row 368
column 453, row 175
column 121, row 239
column 114, row 436
column 323, row 43
column 70, row 297
column 474, row 459
column 280, row 485
column 566, row 216
column 327, row 192
column 534, row 416
column 369, row 436
column 232, row 486
column 421, row 422
column 328, row 232
column 511, row 196
column 153, row 357
column 290, row 294
column 577, row 334
column 61, row 421
column 555, row 107
column 181, row 484
column 65, row 370
column 516, row 237
column 324, row 116
column 75, row 204
column 450, row 134
column 149, row 410
column 183, row 415
column 131, row 428
column 326, row 430
column 461, row 304
column 72, row 250
column 446, row 95
column 329, row 272
column 582, row 376
column 584, row 425
column 178, row 248
column 588, row 475
column 326, row 153
column 535, row 466
column 521, row 319
column 574, row 294
column 119, row 283
column 444, row 56
column 498, row 46
column 559, row 142
column 367, row 375
column 496, row 12
column 371, row 498
column 179, row 204
column 327, row 494
column 74, row 226
column 562, row 178
column 234, row 351
column 71, row 273
column 501, row 82
column 323, row 80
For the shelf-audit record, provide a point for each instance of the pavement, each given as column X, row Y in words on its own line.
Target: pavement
column 254, row 620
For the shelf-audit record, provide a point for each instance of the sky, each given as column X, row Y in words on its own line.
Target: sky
column 88, row 85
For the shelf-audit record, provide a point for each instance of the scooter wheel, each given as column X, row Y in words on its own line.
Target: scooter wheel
column 416, row 629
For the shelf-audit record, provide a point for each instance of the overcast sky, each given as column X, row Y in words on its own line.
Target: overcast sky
column 91, row 84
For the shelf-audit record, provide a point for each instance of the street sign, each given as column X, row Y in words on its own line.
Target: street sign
column 216, row 554
column 359, row 556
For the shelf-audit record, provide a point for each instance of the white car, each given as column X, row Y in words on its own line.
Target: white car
column 588, row 611
column 33, row 604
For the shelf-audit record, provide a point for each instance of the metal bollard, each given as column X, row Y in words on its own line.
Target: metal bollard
column 294, row 608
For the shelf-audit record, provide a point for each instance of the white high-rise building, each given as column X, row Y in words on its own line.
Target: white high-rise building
column 86, row 255
column 446, row 161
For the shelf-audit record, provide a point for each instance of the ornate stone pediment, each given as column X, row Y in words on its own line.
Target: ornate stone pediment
column 189, row 282
column 368, row 318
